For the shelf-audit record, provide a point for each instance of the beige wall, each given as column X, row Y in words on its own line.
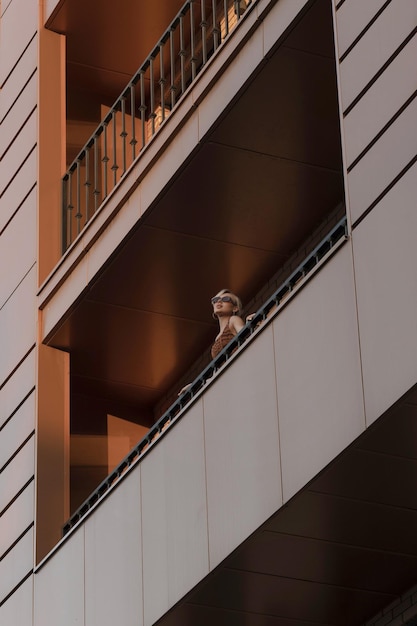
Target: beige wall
column 18, row 316
column 378, row 85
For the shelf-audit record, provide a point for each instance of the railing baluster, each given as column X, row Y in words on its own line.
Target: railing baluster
column 142, row 107
column 162, row 80
column 240, row 7
column 96, row 191
column 172, row 59
column 78, row 214
column 70, row 204
column 114, row 167
column 182, row 54
column 87, row 183
column 123, row 134
column 204, row 31
column 105, row 160
column 192, row 41
column 65, row 211
column 226, row 17
column 133, row 141
column 152, row 95
column 216, row 30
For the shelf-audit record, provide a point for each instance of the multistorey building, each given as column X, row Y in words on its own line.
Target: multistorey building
column 152, row 154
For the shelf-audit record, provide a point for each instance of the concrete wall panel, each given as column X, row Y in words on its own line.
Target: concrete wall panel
column 18, row 114
column 383, row 100
column 4, row 5
column 320, row 401
column 374, row 49
column 113, row 559
column 18, row 609
column 17, row 81
column 21, row 17
column 18, row 151
column 383, row 162
column 385, row 256
column 59, row 586
column 21, row 305
column 18, row 386
column 18, row 190
column 17, row 430
column 18, row 26
column 242, row 448
column 16, row 519
column 17, row 473
column 174, row 516
column 18, row 248
column 16, row 564
column 351, row 18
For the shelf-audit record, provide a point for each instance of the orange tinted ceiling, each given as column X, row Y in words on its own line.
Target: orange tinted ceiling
column 106, row 42
column 111, row 36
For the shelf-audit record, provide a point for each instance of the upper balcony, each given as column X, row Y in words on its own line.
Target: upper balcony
column 266, row 500
column 115, row 105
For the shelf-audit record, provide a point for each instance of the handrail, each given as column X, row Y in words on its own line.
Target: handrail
column 336, row 234
column 192, row 38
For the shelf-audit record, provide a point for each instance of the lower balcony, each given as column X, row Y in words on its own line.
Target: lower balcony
column 266, row 500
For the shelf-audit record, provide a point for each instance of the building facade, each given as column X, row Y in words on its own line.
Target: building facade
column 149, row 158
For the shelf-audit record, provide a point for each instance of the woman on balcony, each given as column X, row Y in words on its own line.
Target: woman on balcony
column 227, row 309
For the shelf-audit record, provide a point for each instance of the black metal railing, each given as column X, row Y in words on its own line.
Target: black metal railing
column 192, row 38
column 336, row 234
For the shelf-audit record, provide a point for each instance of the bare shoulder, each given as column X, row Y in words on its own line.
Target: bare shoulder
column 236, row 323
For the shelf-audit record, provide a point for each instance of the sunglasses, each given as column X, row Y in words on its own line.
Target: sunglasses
column 222, row 299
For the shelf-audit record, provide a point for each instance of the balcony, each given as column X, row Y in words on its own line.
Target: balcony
column 317, row 257
column 238, row 185
column 156, row 88
column 267, row 499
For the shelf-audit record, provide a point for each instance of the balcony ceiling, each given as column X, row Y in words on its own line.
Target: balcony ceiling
column 106, row 43
column 258, row 185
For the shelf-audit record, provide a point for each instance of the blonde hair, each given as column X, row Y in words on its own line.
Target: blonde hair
column 237, row 301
